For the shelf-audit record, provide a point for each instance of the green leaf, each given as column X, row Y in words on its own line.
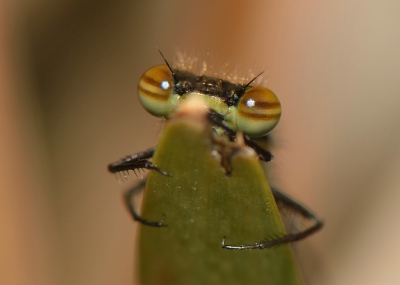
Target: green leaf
column 201, row 205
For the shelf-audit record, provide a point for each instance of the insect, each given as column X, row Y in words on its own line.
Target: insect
column 235, row 112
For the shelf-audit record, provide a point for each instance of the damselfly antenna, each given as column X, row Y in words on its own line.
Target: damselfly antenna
column 248, row 84
column 169, row 66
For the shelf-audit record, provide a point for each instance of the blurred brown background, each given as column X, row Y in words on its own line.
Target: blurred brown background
column 68, row 75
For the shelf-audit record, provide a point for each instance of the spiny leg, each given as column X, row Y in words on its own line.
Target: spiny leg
column 136, row 161
column 132, row 209
column 297, row 208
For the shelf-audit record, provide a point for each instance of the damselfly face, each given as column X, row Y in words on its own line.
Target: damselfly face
column 253, row 110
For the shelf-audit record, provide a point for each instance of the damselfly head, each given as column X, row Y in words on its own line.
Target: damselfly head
column 254, row 110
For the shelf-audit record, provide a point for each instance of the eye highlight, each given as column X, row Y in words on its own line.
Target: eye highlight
column 258, row 111
column 155, row 90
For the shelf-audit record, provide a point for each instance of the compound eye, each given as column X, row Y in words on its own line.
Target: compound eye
column 155, row 90
column 258, row 111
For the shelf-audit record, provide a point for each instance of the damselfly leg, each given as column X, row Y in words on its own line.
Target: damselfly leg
column 135, row 162
column 129, row 203
column 310, row 223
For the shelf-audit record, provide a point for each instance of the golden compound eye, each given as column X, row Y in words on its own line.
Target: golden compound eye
column 258, row 111
column 155, row 90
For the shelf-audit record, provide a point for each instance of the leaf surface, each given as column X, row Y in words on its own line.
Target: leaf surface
column 201, row 205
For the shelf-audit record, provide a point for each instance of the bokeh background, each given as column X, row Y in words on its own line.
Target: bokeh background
column 68, row 76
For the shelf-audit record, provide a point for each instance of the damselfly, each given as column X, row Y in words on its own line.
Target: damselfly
column 235, row 112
